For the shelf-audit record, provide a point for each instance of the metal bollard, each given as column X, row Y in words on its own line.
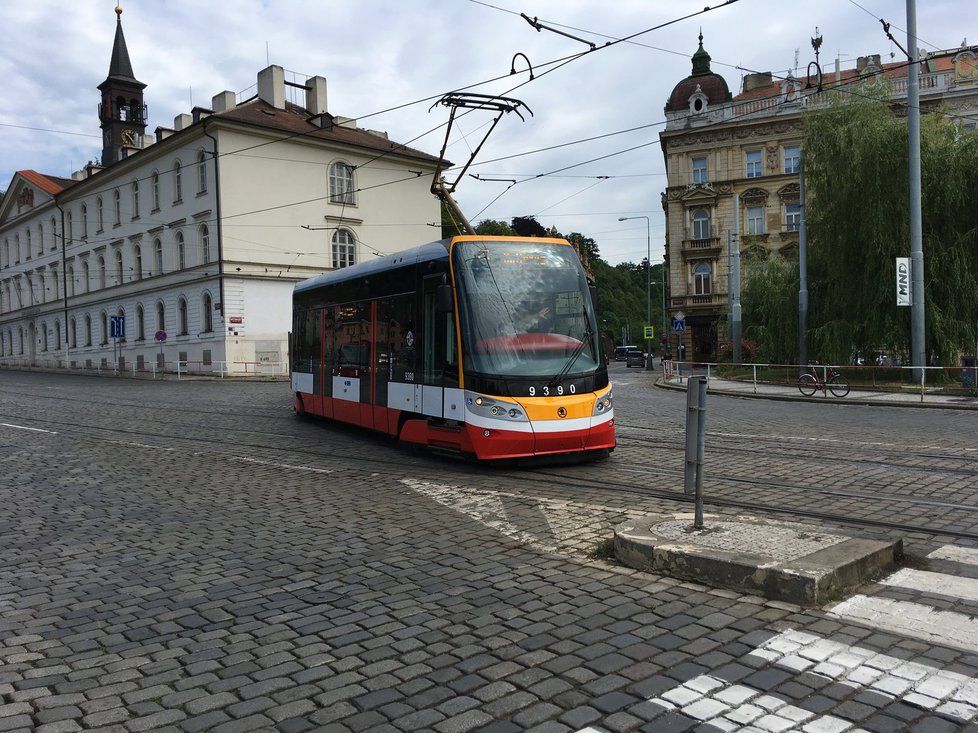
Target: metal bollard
column 755, row 378
column 695, row 444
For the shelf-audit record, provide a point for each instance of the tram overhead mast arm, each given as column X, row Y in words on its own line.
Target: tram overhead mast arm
column 457, row 100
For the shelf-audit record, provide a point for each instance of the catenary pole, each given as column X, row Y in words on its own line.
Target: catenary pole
column 918, row 344
column 648, row 283
column 802, row 268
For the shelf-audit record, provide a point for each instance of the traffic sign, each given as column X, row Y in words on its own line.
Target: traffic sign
column 679, row 326
column 160, row 336
column 117, row 327
column 650, row 332
column 679, row 316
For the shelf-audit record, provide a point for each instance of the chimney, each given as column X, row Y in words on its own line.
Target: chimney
column 838, row 69
column 345, row 122
column 162, row 133
column 757, row 80
column 182, row 121
column 316, row 95
column 223, row 101
column 271, row 86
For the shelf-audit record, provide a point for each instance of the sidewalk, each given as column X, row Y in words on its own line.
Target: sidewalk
column 858, row 396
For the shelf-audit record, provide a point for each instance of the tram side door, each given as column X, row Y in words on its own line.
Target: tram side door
column 439, row 353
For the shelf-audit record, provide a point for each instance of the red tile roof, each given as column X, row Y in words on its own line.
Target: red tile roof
column 893, row 70
column 49, row 184
column 294, row 119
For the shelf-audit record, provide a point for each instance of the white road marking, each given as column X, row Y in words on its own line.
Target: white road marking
column 938, row 583
column 963, row 555
column 917, row 620
column 24, row 427
column 818, row 439
column 288, row 466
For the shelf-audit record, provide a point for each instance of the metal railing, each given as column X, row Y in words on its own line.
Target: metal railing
column 874, row 382
column 152, row 369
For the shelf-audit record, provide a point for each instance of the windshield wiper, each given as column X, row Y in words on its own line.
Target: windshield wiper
column 578, row 350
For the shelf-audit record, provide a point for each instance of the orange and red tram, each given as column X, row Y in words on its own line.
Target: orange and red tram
column 483, row 345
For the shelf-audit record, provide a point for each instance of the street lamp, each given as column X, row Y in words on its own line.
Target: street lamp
column 648, row 284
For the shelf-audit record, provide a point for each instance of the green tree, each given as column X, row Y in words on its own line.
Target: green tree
column 769, row 301
column 492, row 227
column 858, row 218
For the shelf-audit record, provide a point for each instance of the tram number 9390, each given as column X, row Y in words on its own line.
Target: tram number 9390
column 548, row 391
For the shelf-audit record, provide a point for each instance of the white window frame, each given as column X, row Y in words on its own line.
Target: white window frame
column 754, row 168
column 342, row 184
column 792, row 218
column 792, row 162
column 699, row 222
column 344, row 249
column 700, row 174
column 755, row 220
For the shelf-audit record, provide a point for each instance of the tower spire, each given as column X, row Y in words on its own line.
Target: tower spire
column 122, row 113
column 120, row 67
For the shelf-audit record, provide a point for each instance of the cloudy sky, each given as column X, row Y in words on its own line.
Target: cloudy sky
column 381, row 53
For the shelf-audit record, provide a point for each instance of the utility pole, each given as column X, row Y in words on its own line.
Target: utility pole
column 917, row 320
column 734, row 293
column 802, row 268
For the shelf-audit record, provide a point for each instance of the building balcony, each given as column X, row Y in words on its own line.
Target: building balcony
column 709, row 245
column 697, row 302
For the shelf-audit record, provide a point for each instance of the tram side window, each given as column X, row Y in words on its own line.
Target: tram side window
column 402, row 336
column 307, row 338
column 351, row 347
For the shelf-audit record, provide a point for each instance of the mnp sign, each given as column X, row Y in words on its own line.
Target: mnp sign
column 904, row 291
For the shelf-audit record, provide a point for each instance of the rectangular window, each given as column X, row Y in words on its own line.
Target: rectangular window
column 699, row 170
column 755, row 220
column 792, row 217
column 754, row 164
column 792, row 159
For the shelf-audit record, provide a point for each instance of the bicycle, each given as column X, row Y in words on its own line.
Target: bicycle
column 809, row 383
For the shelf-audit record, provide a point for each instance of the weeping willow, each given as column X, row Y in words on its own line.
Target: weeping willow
column 770, row 306
column 858, row 222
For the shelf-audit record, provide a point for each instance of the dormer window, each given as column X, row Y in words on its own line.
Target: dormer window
column 698, row 101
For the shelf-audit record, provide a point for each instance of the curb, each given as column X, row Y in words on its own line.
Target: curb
column 169, row 376
column 661, row 384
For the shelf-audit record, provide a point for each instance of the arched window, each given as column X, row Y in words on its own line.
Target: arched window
column 86, row 282
column 160, row 317
column 100, row 264
column 117, row 206
column 177, row 183
column 201, row 172
column 99, row 216
column 84, row 213
column 54, row 234
column 44, row 336
column 181, row 252
column 27, row 243
column 88, row 330
column 73, row 334
column 5, row 257
column 138, row 262
column 70, row 273
column 122, row 314
column 344, row 249
column 57, row 334
column 105, row 329
column 341, row 188
column 40, row 239
column 55, row 285
column 155, row 183
column 182, row 313
column 118, row 267
column 701, row 224
column 207, row 310
column 205, row 246
column 158, row 256
column 17, row 248
column 135, row 198
column 20, row 335
column 140, row 324
column 701, row 279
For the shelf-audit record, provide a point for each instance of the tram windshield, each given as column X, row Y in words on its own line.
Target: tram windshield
column 526, row 309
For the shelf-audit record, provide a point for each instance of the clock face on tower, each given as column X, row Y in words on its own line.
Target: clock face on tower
column 129, row 138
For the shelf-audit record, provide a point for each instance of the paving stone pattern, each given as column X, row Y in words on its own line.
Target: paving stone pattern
column 189, row 556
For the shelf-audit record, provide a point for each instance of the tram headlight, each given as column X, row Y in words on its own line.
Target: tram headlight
column 603, row 404
column 490, row 407
column 479, row 401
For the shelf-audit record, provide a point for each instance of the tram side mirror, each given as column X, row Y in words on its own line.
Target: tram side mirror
column 443, row 298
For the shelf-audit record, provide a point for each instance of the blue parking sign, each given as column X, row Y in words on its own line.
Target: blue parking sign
column 117, row 327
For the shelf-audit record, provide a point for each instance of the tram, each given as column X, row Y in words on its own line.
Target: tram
column 486, row 346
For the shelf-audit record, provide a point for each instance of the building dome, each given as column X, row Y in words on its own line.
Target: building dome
column 707, row 86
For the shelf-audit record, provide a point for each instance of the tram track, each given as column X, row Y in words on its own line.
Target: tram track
column 551, row 479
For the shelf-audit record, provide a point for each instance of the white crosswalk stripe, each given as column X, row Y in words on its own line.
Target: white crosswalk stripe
column 963, row 555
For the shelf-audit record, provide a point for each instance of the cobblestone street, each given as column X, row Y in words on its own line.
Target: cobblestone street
column 191, row 556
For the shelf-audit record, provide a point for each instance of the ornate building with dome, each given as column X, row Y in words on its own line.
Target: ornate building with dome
column 732, row 165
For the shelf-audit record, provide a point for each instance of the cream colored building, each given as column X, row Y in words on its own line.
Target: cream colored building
column 720, row 149
column 201, row 230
